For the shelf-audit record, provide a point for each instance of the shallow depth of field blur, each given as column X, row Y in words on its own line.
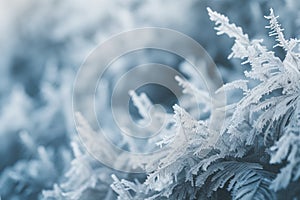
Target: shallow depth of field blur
column 43, row 44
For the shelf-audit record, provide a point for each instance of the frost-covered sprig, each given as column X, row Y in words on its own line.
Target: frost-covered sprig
column 202, row 96
column 86, row 178
column 261, row 110
column 186, row 156
column 270, row 108
column 287, row 148
column 190, row 169
column 244, row 180
column 27, row 177
column 277, row 31
column 172, row 167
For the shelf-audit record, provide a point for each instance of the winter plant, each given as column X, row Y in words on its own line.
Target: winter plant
column 257, row 153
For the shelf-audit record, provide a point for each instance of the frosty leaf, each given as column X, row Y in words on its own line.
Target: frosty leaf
column 202, row 96
column 244, row 180
column 142, row 103
column 84, row 176
column 276, row 30
column 119, row 187
column 223, row 26
column 288, row 148
column 238, row 84
column 195, row 159
column 261, row 107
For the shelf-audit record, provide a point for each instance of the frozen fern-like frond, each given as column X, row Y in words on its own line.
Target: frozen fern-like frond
column 288, row 149
column 27, row 177
column 223, row 26
column 262, row 110
column 121, row 188
column 289, row 46
column 191, row 134
column 202, row 163
column 148, row 111
column 128, row 190
column 85, row 177
column 244, row 180
column 202, row 96
column 142, row 102
column 170, row 169
column 238, row 84
column 277, row 31
column 244, row 48
column 271, row 107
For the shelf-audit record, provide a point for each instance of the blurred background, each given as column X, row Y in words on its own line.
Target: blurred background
column 42, row 45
